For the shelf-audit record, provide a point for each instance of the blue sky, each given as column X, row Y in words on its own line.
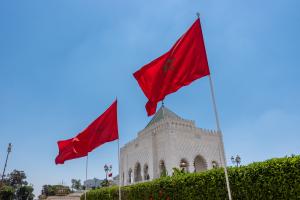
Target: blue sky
column 62, row 63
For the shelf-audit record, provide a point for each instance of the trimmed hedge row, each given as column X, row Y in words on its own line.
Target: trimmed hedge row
column 273, row 179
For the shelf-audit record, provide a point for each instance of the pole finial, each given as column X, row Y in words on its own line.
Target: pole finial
column 198, row 14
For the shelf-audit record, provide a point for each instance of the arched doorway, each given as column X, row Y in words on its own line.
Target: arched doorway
column 146, row 172
column 200, row 164
column 137, row 172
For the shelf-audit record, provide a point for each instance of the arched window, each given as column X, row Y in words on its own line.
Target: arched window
column 184, row 164
column 146, row 172
column 200, row 164
column 129, row 176
column 162, row 168
column 214, row 164
column 137, row 172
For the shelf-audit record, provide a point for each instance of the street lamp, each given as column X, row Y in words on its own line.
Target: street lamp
column 107, row 169
column 236, row 160
column 95, row 182
column 8, row 152
column 184, row 165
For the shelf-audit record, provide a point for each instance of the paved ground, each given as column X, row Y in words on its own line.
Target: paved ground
column 74, row 196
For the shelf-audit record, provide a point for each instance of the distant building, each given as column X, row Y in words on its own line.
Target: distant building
column 92, row 183
column 169, row 141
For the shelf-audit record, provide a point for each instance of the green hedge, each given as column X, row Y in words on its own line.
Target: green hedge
column 273, row 179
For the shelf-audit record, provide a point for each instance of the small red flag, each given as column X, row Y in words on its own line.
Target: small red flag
column 103, row 129
column 185, row 62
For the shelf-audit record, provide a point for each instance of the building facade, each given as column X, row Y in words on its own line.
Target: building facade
column 169, row 141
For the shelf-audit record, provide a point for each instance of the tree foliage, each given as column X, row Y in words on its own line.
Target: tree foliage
column 25, row 193
column 104, row 183
column 48, row 190
column 17, row 179
column 76, row 184
column 16, row 187
column 6, row 192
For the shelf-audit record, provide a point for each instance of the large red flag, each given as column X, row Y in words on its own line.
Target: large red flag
column 103, row 129
column 185, row 62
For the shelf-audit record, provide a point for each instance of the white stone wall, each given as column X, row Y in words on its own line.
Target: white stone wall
column 134, row 152
column 169, row 140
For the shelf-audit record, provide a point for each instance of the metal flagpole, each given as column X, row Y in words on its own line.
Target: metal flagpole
column 86, row 172
column 119, row 169
column 221, row 136
column 219, row 131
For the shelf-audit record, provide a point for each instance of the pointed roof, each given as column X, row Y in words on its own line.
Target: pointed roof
column 161, row 114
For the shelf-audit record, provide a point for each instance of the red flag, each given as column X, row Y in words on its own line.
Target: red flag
column 103, row 129
column 67, row 151
column 185, row 62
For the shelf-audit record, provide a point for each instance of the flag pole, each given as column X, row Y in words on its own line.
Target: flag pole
column 119, row 169
column 221, row 136
column 86, row 173
column 218, row 129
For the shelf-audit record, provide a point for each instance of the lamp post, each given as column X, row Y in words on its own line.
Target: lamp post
column 95, row 182
column 183, row 165
column 8, row 152
column 107, row 169
column 236, row 160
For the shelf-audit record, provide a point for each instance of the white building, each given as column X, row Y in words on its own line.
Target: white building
column 169, row 141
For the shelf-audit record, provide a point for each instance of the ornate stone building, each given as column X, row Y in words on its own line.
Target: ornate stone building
column 169, row 141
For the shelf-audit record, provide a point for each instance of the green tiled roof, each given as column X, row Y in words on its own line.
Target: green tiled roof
column 162, row 113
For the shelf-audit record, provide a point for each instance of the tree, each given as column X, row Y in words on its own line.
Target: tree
column 16, row 187
column 105, row 183
column 16, row 179
column 25, row 193
column 76, row 184
column 48, row 190
column 6, row 192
